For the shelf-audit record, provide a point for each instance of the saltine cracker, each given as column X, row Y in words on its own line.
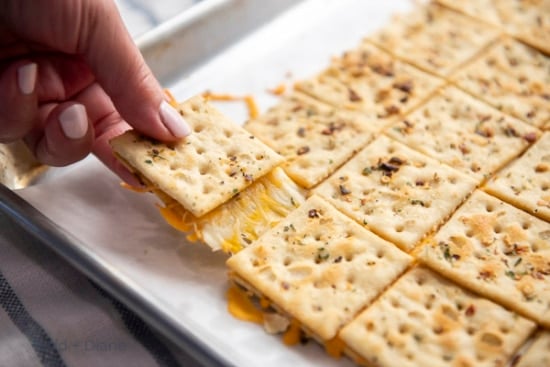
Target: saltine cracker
column 425, row 320
column 512, row 77
column 395, row 191
column 370, row 80
column 498, row 251
column 525, row 183
column 319, row 267
column 207, row 168
column 464, row 133
column 434, row 38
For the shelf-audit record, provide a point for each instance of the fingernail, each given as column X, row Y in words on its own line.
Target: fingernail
column 173, row 120
column 26, row 78
column 74, row 121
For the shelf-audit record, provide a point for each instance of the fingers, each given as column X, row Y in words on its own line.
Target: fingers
column 18, row 101
column 62, row 135
column 121, row 71
column 107, row 124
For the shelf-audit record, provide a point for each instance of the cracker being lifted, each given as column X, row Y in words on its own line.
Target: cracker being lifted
column 204, row 170
column 498, row 251
column 526, row 182
column 372, row 81
column 435, row 38
column 465, row 133
column 512, row 77
column 314, row 138
column 395, row 191
column 318, row 267
column 425, row 320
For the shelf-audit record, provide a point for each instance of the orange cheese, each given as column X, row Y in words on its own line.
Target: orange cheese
column 293, row 334
column 241, row 307
column 249, row 100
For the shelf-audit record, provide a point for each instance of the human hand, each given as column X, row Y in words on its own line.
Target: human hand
column 71, row 79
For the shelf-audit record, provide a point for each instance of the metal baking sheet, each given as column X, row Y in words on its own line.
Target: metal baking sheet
column 117, row 237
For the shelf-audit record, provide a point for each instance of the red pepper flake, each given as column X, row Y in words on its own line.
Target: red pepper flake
column 313, row 213
column 530, row 137
column 248, row 177
column 302, row 150
column 470, row 311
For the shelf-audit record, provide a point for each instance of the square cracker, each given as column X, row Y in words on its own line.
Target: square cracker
column 525, row 183
column 526, row 20
column 207, row 168
column 372, row 81
column 464, row 133
column 498, row 251
column 395, row 191
column 434, row 38
column 537, row 355
column 512, row 77
column 314, row 138
column 319, row 267
column 425, row 320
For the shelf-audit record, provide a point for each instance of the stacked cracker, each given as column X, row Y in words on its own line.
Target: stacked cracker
column 413, row 225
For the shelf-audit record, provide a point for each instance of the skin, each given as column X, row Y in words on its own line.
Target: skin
column 84, row 55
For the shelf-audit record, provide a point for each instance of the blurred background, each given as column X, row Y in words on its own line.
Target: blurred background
column 143, row 15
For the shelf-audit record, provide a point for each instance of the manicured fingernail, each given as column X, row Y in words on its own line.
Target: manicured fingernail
column 26, row 78
column 74, row 121
column 173, row 120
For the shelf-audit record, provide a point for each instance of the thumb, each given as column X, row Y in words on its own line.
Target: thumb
column 123, row 74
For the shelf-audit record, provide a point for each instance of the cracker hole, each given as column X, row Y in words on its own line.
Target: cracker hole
column 228, row 133
column 380, row 254
column 489, row 207
column 491, row 339
column 206, row 189
column 395, row 303
column 260, row 157
column 287, row 261
column 198, row 128
column 504, row 329
column 469, row 233
column 471, row 330
column 525, row 225
column 403, row 329
column 350, row 278
column 204, row 169
column 370, row 326
column 349, row 257
column 255, row 263
column 399, row 228
column 534, row 247
column 545, row 187
column 391, row 149
column 497, row 228
column 317, row 308
column 200, row 150
column 410, row 356
column 195, row 107
column 318, row 237
column 453, row 180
